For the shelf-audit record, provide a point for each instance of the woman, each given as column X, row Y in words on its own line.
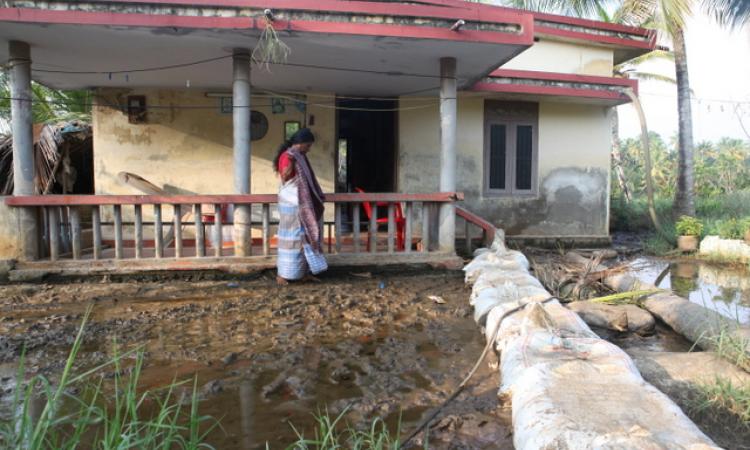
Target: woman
column 300, row 212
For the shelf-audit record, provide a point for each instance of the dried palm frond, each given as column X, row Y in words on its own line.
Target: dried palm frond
column 270, row 49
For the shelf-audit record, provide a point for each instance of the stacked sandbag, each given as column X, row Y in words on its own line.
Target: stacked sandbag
column 568, row 387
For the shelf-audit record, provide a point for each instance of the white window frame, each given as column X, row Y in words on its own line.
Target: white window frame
column 512, row 115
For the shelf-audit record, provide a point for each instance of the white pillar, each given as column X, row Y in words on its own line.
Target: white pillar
column 447, row 219
column 241, row 134
column 23, row 143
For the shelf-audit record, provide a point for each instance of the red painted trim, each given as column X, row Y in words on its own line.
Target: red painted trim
column 610, row 40
column 69, row 200
column 565, row 77
column 548, row 90
column 148, row 20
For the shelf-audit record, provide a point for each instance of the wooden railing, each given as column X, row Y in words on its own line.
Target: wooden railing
column 488, row 229
column 138, row 226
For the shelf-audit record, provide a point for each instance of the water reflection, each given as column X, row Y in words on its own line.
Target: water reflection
column 725, row 290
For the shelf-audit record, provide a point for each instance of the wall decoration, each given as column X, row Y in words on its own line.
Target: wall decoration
column 258, row 125
column 225, row 105
column 290, row 127
column 137, row 108
column 277, row 105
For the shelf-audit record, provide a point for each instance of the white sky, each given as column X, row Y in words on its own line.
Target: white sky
column 719, row 71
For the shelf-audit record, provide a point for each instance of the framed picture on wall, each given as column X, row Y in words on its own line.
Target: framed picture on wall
column 290, row 127
column 225, row 105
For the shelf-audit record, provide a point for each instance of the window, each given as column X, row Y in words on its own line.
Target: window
column 510, row 147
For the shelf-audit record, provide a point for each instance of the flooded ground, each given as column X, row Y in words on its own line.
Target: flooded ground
column 267, row 357
column 724, row 289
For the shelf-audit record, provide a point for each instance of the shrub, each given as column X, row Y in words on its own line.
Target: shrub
column 688, row 226
column 730, row 229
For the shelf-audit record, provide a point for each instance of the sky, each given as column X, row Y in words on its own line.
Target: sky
column 719, row 73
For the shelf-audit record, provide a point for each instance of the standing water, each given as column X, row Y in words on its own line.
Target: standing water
column 724, row 289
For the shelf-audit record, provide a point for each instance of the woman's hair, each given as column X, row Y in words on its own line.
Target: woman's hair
column 302, row 136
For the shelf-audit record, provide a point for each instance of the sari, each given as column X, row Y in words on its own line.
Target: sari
column 300, row 221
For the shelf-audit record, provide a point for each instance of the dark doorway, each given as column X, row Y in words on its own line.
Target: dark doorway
column 366, row 145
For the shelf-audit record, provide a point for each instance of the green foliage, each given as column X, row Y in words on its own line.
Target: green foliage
column 332, row 434
column 723, row 396
column 721, row 167
column 76, row 413
column 730, row 229
column 688, row 226
column 49, row 105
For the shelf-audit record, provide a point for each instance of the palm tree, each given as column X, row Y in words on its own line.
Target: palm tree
column 49, row 105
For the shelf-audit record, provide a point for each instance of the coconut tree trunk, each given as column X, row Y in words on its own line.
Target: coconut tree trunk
column 617, row 156
column 684, row 202
column 647, row 166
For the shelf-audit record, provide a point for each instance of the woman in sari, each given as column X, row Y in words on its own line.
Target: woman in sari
column 300, row 234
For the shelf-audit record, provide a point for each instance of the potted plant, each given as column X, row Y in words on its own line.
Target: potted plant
column 688, row 230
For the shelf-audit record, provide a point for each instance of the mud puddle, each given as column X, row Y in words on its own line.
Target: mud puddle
column 371, row 343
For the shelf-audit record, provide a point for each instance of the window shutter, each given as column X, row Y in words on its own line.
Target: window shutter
column 497, row 156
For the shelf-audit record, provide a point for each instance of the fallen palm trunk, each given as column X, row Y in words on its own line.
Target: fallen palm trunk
column 704, row 327
column 569, row 389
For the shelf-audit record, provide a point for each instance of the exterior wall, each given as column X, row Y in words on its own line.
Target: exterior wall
column 189, row 151
column 561, row 57
column 573, row 194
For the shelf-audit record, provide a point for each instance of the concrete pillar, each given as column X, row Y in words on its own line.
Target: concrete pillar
column 447, row 218
column 241, row 133
column 23, row 143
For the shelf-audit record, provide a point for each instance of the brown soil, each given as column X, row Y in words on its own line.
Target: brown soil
column 269, row 356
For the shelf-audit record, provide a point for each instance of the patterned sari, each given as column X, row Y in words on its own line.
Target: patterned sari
column 300, row 219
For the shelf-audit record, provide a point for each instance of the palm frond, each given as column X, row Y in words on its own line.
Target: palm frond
column 650, row 76
column 734, row 13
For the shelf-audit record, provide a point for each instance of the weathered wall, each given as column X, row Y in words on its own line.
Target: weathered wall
column 572, row 198
column 550, row 56
column 9, row 239
column 189, row 151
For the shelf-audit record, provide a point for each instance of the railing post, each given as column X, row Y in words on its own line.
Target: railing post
column 158, row 233
column 96, row 223
column 53, row 218
column 467, row 235
column 200, row 238
column 217, row 231
column 337, row 226
column 425, row 227
column 266, row 229
column 374, row 228
column 138, row 231
column 391, row 226
column 75, row 231
column 355, row 226
column 118, row 232
column 409, row 224
column 177, row 231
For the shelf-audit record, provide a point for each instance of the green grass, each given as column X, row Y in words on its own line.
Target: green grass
column 76, row 414
column 334, row 433
column 729, row 345
column 723, row 398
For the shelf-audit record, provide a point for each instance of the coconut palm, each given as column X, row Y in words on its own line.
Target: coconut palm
column 49, row 105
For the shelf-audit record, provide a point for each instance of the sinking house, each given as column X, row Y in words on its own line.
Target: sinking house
column 431, row 109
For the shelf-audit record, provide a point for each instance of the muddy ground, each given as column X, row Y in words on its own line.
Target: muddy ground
column 267, row 357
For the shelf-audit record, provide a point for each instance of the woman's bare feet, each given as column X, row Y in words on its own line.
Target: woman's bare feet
column 311, row 278
column 281, row 281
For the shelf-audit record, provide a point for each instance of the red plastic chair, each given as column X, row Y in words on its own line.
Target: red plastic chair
column 398, row 217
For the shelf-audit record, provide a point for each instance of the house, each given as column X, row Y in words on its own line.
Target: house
column 412, row 102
